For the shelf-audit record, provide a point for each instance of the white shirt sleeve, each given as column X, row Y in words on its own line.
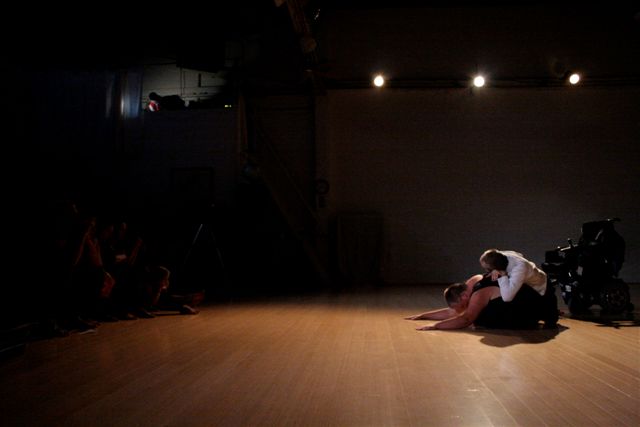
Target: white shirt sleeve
column 511, row 284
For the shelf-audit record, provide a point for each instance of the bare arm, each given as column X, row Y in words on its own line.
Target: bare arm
column 77, row 251
column 440, row 314
column 460, row 321
column 134, row 251
column 474, row 279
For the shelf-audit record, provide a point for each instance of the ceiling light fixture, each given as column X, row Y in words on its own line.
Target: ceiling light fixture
column 574, row 78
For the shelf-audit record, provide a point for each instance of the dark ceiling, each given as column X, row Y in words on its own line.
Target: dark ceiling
column 117, row 34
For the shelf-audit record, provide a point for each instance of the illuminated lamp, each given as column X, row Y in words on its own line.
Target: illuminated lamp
column 153, row 106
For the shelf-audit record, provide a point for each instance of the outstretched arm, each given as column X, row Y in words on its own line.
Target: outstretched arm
column 440, row 314
column 460, row 321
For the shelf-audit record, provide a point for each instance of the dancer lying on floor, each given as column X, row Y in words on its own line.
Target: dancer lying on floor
column 478, row 302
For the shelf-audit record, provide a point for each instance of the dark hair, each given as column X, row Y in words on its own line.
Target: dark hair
column 495, row 259
column 453, row 293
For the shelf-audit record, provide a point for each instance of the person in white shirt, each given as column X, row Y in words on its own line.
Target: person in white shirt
column 512, row 270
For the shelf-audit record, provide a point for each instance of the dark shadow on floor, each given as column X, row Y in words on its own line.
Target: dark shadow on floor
column 616, row 321
column 509, row 337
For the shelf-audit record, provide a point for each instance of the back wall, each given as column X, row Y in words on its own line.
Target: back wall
column 457, row 171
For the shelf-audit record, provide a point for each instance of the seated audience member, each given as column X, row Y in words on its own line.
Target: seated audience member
column 121, row 257
column 91, row 282
column 155, row 294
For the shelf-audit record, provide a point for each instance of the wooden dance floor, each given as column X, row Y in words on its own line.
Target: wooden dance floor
column 347, row 359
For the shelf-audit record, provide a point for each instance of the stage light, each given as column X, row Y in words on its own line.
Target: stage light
column 153, row 106
column 478, row 81
column 574, row 78
column 378, row 81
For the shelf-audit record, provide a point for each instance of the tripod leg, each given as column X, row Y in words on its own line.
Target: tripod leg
column 195, row 238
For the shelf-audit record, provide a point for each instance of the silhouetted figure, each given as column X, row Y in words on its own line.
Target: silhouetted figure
column 170, row 102
column 156, row 296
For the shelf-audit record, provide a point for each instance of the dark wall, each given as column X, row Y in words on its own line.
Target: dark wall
column 455, row 172
column 520, row 164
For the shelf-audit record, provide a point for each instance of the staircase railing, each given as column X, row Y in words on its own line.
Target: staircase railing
column 297, row 211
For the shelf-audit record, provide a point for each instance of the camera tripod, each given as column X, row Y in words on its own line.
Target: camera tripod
column 204, row 230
